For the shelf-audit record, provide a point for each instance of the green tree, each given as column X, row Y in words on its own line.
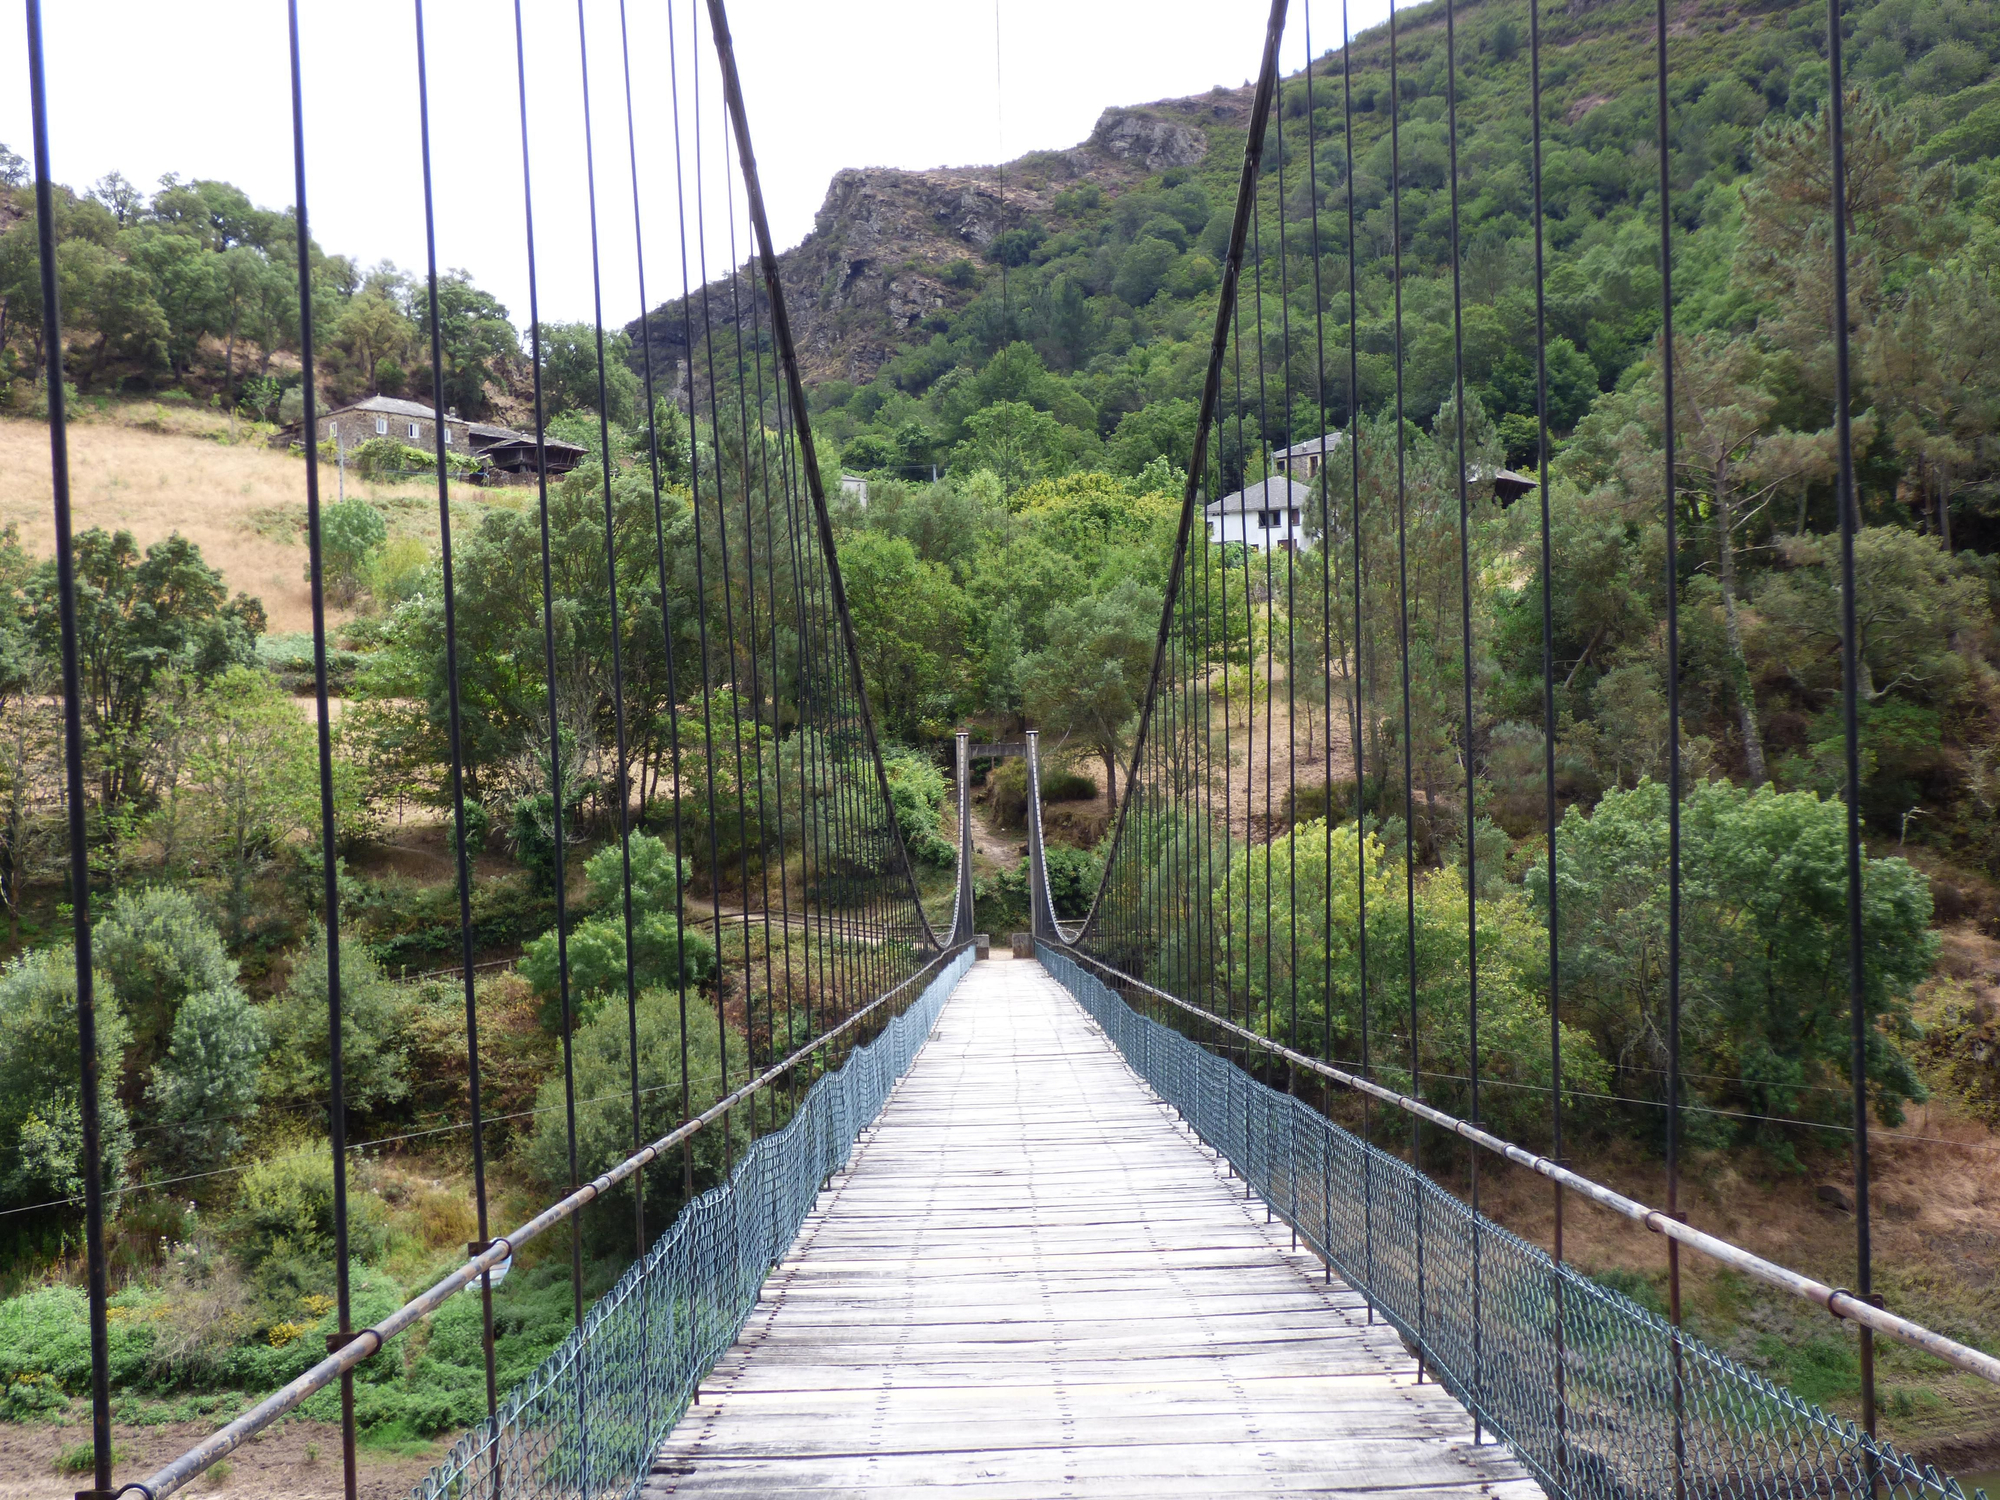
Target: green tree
column 1143, row 270
column 1160, row 429
column 1089, row 682
column 909, row 621
column 479, row 342
column 373, row 1031
column 205, row 1088
column 570, row 370
column 1017, row 443
column 604, row 1100
column 41, row 1124
column 137, row 618
column 162, row 949
column 1310, row 879
column 244, row 782
column 1764, row 1012
column 663, row 953
column 350, row 531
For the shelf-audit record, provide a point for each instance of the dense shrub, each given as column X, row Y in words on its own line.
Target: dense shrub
column 160, row 949
column 371, row 1031
column 1067, row 786
column 663, row 953
column 41, row 1124
column 604, row 1101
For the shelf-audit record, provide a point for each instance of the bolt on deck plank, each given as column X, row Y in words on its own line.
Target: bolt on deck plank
column 1031, row 1281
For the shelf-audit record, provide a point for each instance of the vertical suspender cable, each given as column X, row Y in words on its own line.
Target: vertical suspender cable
column 756, row 678
column 330, row 890
column 1465, row 642
column 79, row 848
column 1850, row 677
column 1673, row 673
column 1291, row 595
column 1548, row 721
column 549, row 666
column 700, row 570
column 660, row 548
column 1326, row 542
column 1360, row 704
column 1271, row 603
column 622, row 778
column 1403, row 653
column 453, row 719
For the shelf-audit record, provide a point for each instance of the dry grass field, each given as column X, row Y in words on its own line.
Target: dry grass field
column 154, row 470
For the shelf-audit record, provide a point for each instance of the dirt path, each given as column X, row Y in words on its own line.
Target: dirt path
column 299, row 1459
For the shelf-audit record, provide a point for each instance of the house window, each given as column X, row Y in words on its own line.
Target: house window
column 381, row 426
column 1295, row 516
column 413, row 429
column 1267, row 519
column 447, row 437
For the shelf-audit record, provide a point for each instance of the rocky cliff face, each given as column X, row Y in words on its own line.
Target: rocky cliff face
column 878, row 263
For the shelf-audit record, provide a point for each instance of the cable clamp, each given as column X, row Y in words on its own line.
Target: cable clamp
column 335, row 1342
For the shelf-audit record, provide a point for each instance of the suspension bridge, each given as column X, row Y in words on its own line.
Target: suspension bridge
column 1113, row 1220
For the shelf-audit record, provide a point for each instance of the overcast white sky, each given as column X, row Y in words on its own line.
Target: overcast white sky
column 199, row 87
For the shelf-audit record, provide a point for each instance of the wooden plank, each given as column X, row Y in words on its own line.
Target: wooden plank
column 1032, row 1281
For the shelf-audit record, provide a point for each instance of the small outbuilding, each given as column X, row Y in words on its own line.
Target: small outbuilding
column 1305, row 460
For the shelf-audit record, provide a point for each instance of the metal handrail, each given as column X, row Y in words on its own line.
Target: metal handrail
column 1836, row 1300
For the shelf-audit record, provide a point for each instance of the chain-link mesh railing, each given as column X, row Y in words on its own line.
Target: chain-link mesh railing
column 1600, row 1399
column 589, row 1419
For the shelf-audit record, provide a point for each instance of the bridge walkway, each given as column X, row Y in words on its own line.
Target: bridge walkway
column 1033, row 1282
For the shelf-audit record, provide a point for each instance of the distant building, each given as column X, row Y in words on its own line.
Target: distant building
column 414, row 424
column 408, row 422
column 513, row 453
column 1509, row 486
column 1267, row 515
column 1303, row 460
column 855, row 485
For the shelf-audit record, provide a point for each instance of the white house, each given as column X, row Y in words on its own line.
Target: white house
column 1303, row 460
column 855, row 486
column 1269, row 514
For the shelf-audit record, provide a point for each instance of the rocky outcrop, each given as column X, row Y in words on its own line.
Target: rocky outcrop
column 1147, row 140
column 879, row 263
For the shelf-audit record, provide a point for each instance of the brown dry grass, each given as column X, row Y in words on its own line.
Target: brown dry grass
column 154, row 470
column 297, row 1459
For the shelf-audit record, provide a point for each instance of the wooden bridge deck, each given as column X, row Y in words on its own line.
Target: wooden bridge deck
column 1032, row 1282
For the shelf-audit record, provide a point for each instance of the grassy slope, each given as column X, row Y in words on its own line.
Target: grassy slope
column 155, row 470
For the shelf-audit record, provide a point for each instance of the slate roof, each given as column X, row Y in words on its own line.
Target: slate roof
column 1276, row 493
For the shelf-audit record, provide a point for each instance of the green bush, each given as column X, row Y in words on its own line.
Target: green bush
column 604, row 1100
column 1010, row 793
column 1074, row 875
column 350, row 531
column 45, row 1348
column 161, row 949
column 371, row 1031
column 41, row 1124
column 1067, row 786
column 663, row 954
column 917, row 788
column 284, row 1212
column 206, row 1086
